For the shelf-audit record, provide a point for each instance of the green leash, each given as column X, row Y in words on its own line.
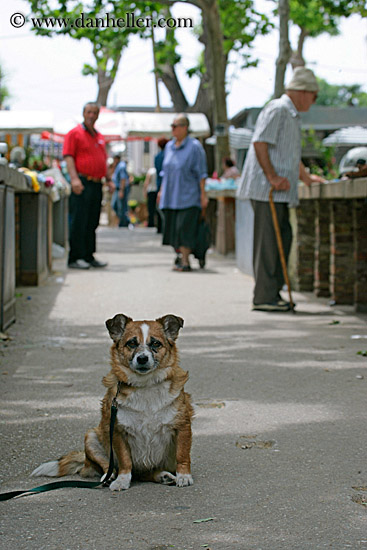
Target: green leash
column 79, row 484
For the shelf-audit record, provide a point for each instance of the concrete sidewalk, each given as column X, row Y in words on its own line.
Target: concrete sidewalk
column 279, row 449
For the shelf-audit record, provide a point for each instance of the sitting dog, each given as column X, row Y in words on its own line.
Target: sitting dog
column 152, row 435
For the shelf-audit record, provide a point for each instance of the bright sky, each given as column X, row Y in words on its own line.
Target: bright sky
column 45, row 74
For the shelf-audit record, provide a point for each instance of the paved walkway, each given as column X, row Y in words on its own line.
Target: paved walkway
column 279, row 450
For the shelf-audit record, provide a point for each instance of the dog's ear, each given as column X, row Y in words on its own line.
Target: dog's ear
column 171, row 325
column 116, row 326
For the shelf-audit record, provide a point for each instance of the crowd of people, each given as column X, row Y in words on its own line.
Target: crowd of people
column 175, row 187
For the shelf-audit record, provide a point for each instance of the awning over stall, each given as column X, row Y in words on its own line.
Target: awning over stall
column 26, row 122
column 354, row 135
column 154, row 125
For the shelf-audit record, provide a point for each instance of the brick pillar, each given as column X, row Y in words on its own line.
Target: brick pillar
column 322, row 248
column 306, row 245
column 342, row 266
column 360, row 253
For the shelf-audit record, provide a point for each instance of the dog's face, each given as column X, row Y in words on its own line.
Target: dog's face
column 143, row 345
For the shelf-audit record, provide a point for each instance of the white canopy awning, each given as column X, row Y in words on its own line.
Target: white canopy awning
column 353, row 135
column 26, row 122
column 145, row 125
column 239, row 138
column 109, row 123
column 124, row 125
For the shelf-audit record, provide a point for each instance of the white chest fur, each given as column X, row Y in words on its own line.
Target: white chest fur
column 147, row 416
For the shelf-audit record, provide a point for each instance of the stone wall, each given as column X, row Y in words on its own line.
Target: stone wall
column 332, row 242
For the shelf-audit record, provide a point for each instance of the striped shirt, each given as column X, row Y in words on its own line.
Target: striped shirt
column 278, row 125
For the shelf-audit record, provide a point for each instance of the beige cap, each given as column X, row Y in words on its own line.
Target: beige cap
column 303, row 79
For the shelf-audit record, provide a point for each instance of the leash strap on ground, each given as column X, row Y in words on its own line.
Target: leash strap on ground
column 79, row 484
column 51, row 487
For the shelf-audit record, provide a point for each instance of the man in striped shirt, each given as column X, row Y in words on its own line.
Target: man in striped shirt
column 274, row 160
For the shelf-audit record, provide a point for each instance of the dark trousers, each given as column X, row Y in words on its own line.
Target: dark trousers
column 152, row 208
column 266, row 260
column 84, row 213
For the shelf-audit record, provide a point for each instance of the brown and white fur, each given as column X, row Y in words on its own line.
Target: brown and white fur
column 152, row 435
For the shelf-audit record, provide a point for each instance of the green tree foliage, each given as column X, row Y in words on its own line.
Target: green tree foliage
column 241, row 24
column 107, row 42
column 318, row 16
column 314, row 17
column 333, row 95
column 4, row 91
column 226, row 26
column 325, row 163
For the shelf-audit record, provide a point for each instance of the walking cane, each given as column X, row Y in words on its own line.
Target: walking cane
column 280, row 247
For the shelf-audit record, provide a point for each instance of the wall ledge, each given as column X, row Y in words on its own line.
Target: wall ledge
column 342, row 189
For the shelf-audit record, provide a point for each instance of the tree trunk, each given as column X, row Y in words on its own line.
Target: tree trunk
column 169, row 78
column 211, row 97
column 204, row 98
column 297, row 59
column 204, row 102
column 104, row 86
column 285, row 50
column 105, row 78
column 210, row 13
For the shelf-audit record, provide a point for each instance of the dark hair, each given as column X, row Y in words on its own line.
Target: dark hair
column 91, row 103
column 162, row 142
column 228, row 162
column 361, row 161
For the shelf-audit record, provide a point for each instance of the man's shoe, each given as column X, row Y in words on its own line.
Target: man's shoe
column 273, row 306
column 79, row 264
column 96, row 263
column 282, row 302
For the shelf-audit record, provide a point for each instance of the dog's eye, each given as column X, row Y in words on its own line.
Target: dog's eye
column 132, row 343
column 155, row 344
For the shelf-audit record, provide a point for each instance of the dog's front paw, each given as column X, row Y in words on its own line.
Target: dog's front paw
column 184, row 480
column 121, row 483
column 166, row 478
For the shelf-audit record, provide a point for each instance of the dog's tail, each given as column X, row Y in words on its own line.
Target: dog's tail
column 70, row 464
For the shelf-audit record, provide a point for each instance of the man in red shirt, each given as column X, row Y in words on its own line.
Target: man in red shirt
column 85, row 154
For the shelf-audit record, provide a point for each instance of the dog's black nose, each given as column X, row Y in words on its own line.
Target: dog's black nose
column 142, row 359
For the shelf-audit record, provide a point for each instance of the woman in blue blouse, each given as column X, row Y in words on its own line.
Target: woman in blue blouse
column 182, row 195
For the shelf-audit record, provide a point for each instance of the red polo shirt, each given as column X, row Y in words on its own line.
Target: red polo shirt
column 88, row 152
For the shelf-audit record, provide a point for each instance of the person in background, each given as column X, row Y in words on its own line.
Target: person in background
column 274, row 162
column 158, row 163
column 109, row 192
column 85, row 154
column 182, row 194
column 150, row 193
column 122, row 189
column 229, row 169
column 361, row 171
column 111, row 165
